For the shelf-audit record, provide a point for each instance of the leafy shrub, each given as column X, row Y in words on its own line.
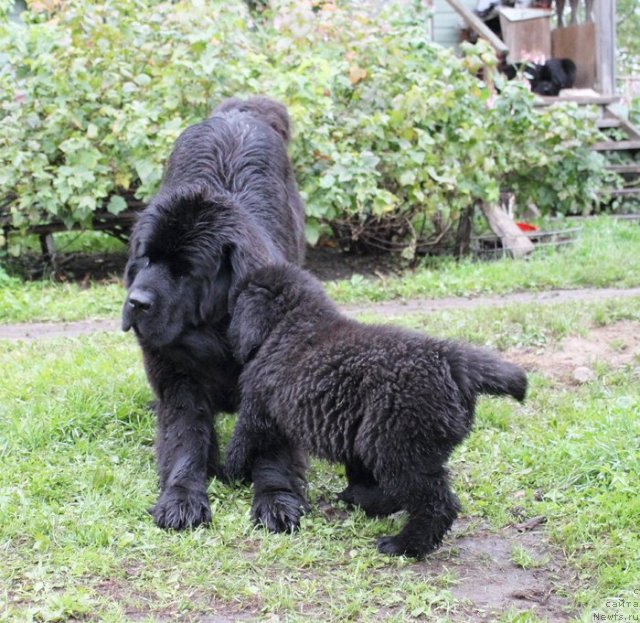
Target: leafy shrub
column 394, row 134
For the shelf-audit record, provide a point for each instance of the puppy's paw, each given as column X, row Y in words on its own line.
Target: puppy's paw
column 347, row 496
column 396, row 546
column 371, row 500
column 279, row 511
column 178, row 508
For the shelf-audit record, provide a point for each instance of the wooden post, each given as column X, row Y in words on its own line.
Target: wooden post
column 49, row 254
column 605, row 20
column 463, row 235
column 514, row 242
column 480, row 27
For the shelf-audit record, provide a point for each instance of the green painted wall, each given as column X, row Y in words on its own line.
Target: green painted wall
column 447, row 22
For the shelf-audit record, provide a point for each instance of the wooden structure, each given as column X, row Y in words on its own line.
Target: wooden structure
column 588, row 39
column 526, row 32
column 585, row 32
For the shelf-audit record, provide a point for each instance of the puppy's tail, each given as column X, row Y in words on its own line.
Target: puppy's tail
column 481, row 371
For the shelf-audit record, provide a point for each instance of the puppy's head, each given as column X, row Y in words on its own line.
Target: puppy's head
column 266, row 297
column 185, row 255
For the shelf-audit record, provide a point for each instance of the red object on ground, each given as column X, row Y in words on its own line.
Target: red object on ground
column 526, row 226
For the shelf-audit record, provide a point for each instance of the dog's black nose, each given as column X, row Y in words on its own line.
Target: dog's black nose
column 140, row 300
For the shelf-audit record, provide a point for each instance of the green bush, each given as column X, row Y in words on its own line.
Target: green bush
column 394, row 134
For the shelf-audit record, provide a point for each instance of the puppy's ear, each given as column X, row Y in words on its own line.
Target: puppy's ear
column 251, row 321
column 244, row 259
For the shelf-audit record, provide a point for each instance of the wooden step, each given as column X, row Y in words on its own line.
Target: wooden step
column 625, row 192
column 616, row 145
column 624, row 168
column 607, row 123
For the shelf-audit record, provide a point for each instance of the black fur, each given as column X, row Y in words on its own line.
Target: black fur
column 228, row 203
column 551, row 77
column 388, row 403
column 547, row 78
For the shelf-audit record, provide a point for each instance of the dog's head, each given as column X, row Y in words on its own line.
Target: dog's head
column 187, row 251
column 267, row 296
column 265, row 109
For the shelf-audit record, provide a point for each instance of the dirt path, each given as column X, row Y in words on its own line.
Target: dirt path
column 388, row 309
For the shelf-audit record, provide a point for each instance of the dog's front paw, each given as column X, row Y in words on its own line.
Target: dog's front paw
column 178, row 508
column 397, row 546
column 279, row 511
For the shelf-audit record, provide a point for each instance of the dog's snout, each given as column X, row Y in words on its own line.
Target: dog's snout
column 140, row 300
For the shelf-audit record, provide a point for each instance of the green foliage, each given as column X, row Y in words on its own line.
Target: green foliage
column 390, row 127
column 627, row 25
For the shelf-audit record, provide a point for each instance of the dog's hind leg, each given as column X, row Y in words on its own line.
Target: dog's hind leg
column 432, row 508
column 364, row 491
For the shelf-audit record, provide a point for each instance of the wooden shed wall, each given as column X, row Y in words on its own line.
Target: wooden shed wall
column 447, row 23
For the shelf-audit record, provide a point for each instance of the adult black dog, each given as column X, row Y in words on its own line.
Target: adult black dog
column 388, row 403
column 228, row 203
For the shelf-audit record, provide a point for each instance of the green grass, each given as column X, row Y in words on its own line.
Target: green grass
column 606, row 254
column 77, row 475
column 69, row 242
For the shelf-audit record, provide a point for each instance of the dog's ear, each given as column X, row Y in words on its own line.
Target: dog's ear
column 214, row 293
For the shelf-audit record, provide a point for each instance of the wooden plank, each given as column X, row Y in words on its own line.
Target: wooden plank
column 604, row 124
column 513, row 240
column 605, row 20
column 473, row 21
column 584, row 100
column 632, row 132
column 616, row 145
column 624, row 168
column 579, row 44
column 446, row 23
column 526, row 39
column 623, row 192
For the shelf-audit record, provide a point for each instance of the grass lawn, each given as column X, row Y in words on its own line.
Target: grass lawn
column 77, row 475
column 607, row 253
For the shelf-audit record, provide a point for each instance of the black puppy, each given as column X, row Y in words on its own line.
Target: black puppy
column 552, row 76
column 547, row 78
column 390, row 404
column 228, row 203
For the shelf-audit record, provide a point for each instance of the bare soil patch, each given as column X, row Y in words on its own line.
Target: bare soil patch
column 490, row 582
column 327, row 263
column 574, row 359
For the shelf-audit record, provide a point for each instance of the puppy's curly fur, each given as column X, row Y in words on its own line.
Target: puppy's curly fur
column 388, row 403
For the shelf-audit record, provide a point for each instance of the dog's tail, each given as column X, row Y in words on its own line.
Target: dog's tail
column 480, row 371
